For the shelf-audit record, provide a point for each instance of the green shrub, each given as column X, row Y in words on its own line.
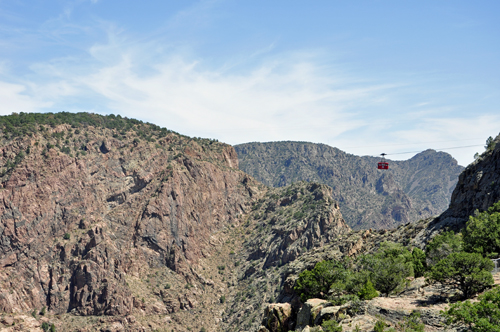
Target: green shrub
column 298, row 215
column 442, row 246
column 326, row 276
column 482, row 233
column 67, row 236
column 419, row 262
column 222, row 299
column 380, row 325
column 482, row 316
column 331, row 326
column 368, row 292
column 468, row 272
column 490, row 144
column 45, row 326
column 389, row 267
column 413, row 323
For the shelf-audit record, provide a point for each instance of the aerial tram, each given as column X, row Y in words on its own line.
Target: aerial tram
column 383, row 164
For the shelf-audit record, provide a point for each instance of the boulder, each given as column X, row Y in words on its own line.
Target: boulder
column 277, row 317
column 309, row 311
column 326, row 313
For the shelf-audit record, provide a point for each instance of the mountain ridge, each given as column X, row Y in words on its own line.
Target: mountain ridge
column 369, row 198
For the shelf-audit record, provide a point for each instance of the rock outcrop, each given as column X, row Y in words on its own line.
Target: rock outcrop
column 477, row 189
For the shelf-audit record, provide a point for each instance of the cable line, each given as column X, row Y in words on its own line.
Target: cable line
column 455, row 147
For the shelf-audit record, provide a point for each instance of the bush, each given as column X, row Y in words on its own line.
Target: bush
column 482, row 233
column 67, row 236
column 490, row 144
column 482, row 316
column 380, row 325
column 326, row 275
column 331, row 326
column 413, row 323
column 468, row 272
column 389, row 267
column 222, row 299
column 45, row 326
column 368, row 292
column 442, row 246
column 419, row 262
column 357, row 280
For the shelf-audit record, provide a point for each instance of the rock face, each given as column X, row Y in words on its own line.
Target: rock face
column 293, row 220
column 283, row 226
column 73, row 228
column 410, row 190
column 478, row 188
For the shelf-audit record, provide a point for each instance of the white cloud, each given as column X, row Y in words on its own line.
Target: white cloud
column 286, row 99
column 14, row 99
column 287, row 96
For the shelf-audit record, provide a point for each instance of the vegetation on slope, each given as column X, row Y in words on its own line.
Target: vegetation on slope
column 26, row 124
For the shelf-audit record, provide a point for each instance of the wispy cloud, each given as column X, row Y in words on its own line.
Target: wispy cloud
column 264, row 96
column 14, row 99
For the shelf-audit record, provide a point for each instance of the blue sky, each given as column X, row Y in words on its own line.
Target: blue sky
column 364, row 76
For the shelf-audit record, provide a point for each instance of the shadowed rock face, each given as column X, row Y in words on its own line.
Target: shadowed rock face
column 478, row 188
column 72, row 228
column 410, row 190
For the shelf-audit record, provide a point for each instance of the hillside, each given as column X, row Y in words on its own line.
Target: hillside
column 112, row 224
column 110, row 217
column 410, row 190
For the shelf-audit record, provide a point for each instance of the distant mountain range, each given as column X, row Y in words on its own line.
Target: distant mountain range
column 368, row 197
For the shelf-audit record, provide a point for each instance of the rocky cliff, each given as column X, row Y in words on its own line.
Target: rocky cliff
column 477, row 189
column 93, row 215
column 410, row 190
column 283, row 226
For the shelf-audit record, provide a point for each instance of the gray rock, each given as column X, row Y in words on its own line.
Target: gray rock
column 326, row 314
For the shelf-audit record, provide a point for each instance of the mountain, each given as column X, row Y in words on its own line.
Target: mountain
column 410, row 190
column 113, row 224
column 112, row 217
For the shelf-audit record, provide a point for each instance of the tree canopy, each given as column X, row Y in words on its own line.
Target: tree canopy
column 482, row 316
column 482, row 233
column 468, row 272
column 22, row 124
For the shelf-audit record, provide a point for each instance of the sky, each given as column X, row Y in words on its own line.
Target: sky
column 364, row 76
